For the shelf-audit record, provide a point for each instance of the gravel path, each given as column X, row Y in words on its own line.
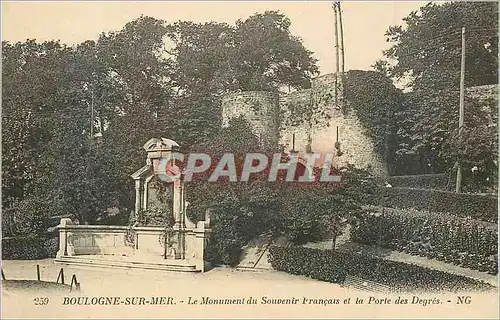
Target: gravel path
column 425, row 262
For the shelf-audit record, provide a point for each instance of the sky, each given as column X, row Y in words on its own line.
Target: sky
column 73, row 22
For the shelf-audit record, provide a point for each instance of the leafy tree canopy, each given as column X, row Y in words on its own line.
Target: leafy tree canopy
column 427, row 54
column 139, row 86
column 428, row 49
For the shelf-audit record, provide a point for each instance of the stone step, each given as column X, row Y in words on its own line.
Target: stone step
column 126, row 264
column 253, row 269
column 255, row 253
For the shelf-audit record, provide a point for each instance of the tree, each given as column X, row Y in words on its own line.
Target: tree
column 126, row 87
column 32, row 74
column 135, row 58
column 476, row 147
column 51, row 123
column 375, row 100
column 428, row 50
column 200, row 75
column 427, row 55
column 382, row 66
column 212, row 59
column 267, row 56
column 49, row 152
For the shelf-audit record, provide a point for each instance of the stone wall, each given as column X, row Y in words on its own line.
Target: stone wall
column 265, row 110
column 77, row 240
column 260, row 109
column 301, row 98
column 356, row 145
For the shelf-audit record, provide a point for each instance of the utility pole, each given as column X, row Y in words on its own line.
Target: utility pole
column 342, row 70
column 458, row 187
column 334, row 5
column 92, row 113
column 339, row 56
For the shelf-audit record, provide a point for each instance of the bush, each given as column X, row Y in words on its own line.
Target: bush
column 29, row 248
column 481, row 207
column 464, row 242
column 25, row 217
column 235, row 223
column 423, row 181
column 51, row 247
column 333, row 266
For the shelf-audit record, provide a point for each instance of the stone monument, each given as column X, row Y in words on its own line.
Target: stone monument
column 174, row 196
column 161, row 237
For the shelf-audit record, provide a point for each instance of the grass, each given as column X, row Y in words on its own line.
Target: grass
column 34, row 285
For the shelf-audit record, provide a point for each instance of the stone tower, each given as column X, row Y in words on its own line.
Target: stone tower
column 345, row 130
column 266, row 110
column 261, row 109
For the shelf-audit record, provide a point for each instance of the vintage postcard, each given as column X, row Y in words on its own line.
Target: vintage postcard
column 225, row 159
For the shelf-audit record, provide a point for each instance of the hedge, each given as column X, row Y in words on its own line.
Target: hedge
column 29, row 248
column 481, row 207
column 333, row 266
column 423, row 181
column 464, row 242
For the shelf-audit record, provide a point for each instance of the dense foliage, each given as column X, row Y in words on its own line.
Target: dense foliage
column 465, row 242
column 432, row 37
column 29, row 248
column 333, row 266
column 423, row 181
column 428, row 133
column 426, row 55
column 60, row 158
column 240, row 211
column 375, row 100
column 480, row 207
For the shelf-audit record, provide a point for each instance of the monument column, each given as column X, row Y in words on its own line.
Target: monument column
column 176, row 196
column 138, row 196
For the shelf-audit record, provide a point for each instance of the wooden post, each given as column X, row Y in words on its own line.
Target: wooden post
column 92, row 113
column 342, row 53
column 75, row 282
column 336, row 53
column 458, row 187
column 60, row 276
column 342, row 69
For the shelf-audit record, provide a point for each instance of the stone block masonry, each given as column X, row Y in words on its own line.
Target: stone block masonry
column 261, row 109
column 267, row 112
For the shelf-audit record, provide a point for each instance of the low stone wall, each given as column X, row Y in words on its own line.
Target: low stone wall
column 87, row 239
column 186, row 244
